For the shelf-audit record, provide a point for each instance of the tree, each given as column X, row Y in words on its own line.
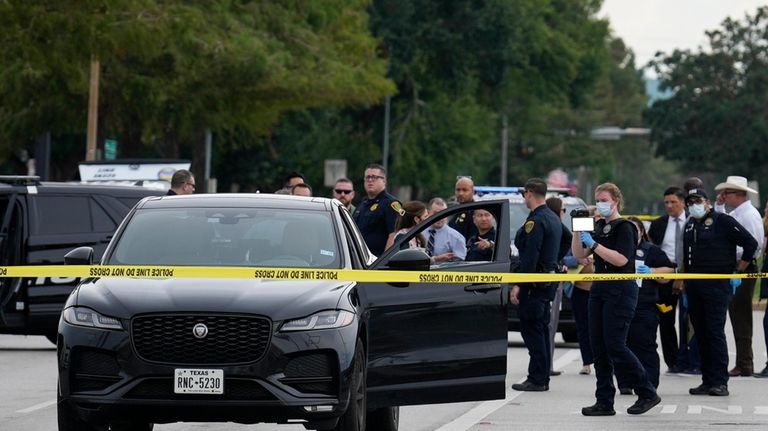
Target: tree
column 716, row 119
column 171, row 69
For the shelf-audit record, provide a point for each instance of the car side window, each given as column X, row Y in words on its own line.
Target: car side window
column 63, row 215
column 102, row 222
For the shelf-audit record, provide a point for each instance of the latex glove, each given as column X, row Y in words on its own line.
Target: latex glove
column 643, row 269
column 735, row 283
column 587, row 239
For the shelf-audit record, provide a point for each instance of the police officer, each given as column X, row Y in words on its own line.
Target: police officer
column 649, row 259
column 612, row 305
column 463, row 222
column 538, row 241
column 377, row 214
column 709, row 242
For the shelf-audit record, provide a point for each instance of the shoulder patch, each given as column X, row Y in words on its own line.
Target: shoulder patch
column 397, row 207
column 529, row 226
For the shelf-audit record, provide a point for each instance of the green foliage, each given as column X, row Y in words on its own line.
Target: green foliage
column 171, row 69
column 716, row 119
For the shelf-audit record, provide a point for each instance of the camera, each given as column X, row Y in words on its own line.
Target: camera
column 582, row 221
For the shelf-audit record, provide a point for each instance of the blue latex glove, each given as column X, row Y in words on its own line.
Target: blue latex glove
column 735, row 283
column 643, row 269
column 587, row 239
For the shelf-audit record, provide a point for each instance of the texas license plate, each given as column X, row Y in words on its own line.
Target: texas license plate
column 198, row 381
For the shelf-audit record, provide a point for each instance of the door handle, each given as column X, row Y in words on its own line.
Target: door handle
column 482, row 287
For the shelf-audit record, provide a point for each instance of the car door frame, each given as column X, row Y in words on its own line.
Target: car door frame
column 438, row 342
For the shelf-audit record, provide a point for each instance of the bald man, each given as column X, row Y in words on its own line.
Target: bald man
column 462, row 222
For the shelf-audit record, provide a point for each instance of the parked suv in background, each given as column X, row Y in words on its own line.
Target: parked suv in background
column 40, row 223
column 518, row 213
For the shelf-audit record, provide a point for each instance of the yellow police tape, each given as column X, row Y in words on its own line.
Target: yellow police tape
column 435, row 276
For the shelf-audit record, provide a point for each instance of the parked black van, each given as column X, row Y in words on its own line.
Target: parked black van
column 42, row 221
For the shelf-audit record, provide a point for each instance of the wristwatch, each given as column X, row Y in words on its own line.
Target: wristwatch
column 594, row 246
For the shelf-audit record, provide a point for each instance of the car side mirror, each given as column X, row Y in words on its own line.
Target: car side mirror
column 79, row 256
column 409, row 260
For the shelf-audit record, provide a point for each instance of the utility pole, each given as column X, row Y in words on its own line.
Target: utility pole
column 93, row 111
column 504, row 150
column 385, row 144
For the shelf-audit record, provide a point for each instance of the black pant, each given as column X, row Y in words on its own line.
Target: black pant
column 667, row 332
column 534, row 314
column 642, row 342
column 707, row 306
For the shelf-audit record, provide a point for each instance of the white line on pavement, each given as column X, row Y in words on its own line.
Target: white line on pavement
column 470, row 418
column 36, row 407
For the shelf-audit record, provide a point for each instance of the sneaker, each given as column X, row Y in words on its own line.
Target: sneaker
column 529, row 386
column 625, row 391
column 674, row 369
column 586, row 370
column 762, row 374
column 598, row 410
column 719, row 391
column 692, row 371
column 555, row 373
column 702, row 389
column 642, row 405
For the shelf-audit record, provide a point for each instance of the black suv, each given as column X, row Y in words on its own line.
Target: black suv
column 41, row 222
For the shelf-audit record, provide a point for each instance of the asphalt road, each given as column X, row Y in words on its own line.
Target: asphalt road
column 28, row 379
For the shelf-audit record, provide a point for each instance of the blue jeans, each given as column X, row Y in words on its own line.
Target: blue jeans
column 611, row 308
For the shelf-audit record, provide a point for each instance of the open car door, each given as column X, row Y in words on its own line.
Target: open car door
column 10, row 254
column 436, row 342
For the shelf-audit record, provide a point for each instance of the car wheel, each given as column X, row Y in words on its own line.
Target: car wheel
column 69, row 420
column 384, row 419
column 354, row 418
column 570, row 337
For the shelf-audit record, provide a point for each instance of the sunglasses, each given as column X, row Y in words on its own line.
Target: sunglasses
column 343, row 192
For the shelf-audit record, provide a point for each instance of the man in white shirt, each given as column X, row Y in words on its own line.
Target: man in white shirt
column 734, row 191
column 667, row 233
column 444, row 243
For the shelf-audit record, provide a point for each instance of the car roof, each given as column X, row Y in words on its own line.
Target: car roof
column 33, row 186
column 234, row 200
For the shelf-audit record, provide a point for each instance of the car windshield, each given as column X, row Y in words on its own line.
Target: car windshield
column 228, row 237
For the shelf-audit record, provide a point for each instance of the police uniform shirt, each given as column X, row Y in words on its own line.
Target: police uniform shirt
column 463, row 223
column 475, row 253
column 538, row 241
column 619, row 235
column 710, row 244
column 376, row 219
column 654, row 257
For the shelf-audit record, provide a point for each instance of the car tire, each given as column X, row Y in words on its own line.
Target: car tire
column 69, row 420
column 354, row 419
column 570, row 337
column 384, row 419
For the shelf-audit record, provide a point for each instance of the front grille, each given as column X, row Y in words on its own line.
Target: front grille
column 234, row 389
column 93, row 370
column 95, row 362
column 230, row 339
column 313, row 365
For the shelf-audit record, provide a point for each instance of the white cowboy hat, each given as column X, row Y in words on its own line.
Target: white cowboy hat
column 735, row 182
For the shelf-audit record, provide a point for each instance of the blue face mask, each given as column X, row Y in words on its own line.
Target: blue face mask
column 604, row 208
column 697, row 210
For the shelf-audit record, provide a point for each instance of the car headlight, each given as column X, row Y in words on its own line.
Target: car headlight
column 322, row 320
column 81, row 316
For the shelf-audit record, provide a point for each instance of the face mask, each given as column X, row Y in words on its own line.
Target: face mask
column 697, row 210
column 604, row 208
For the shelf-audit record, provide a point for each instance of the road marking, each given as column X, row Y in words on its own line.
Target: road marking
column 668, row 408
column 478, row 413
column 36, row 407
column 696, row 410
column 761, row 410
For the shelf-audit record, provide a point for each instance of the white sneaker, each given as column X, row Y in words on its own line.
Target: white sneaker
column 586, row 369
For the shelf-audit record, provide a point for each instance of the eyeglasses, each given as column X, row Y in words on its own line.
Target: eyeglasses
column 372, row 178
column 343, row 192
column 191, row 184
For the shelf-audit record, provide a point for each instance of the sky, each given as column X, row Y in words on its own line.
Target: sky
column 648, row 26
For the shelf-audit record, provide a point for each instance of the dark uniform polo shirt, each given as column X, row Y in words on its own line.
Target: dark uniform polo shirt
column 539, row 241
column 376, row 219
column 464, row 224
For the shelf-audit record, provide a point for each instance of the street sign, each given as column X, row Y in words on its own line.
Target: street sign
column 110, row 149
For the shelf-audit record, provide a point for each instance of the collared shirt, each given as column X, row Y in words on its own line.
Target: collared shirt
column 669, row 242
column 539, row 240
column 749, row 217
column 448, row 240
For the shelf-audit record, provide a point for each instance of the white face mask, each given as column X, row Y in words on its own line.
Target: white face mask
column 604, row 208
column 697, row 210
